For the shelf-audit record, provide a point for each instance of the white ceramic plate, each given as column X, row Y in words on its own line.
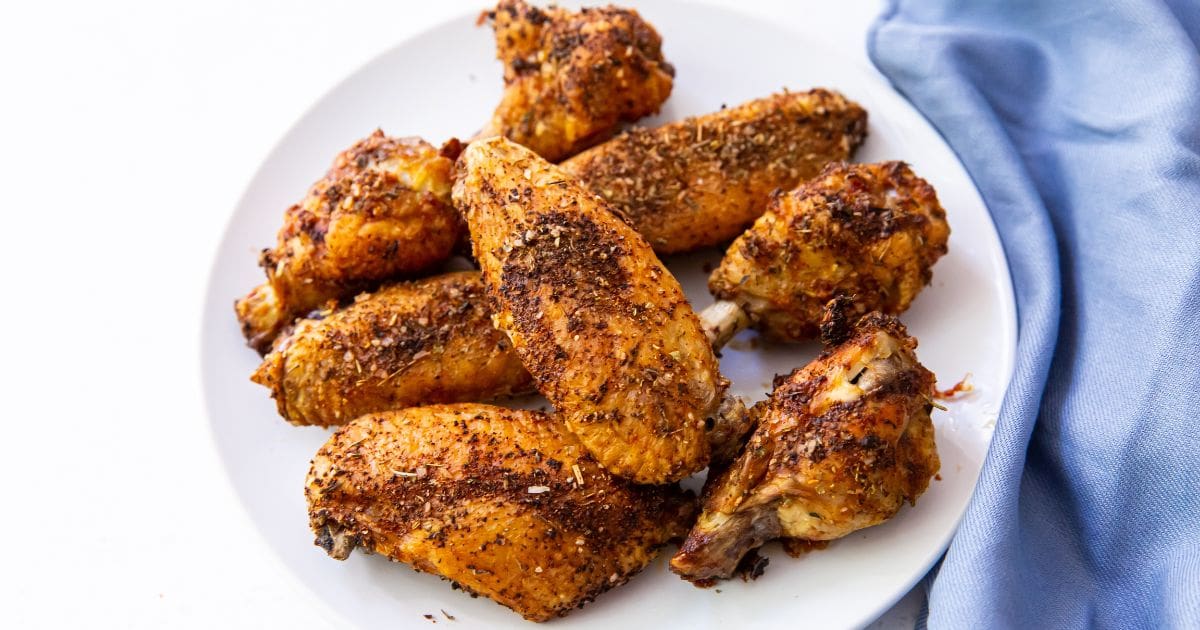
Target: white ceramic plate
column 444, row 83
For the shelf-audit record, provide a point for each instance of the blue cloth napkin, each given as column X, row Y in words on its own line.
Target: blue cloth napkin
column 1079, row 121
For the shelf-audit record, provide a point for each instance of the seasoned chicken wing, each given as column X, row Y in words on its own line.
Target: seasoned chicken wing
column 840, row 445
column 505, row 503
column 601, row 324
column 571, row 77
column 383, row 210
column 872, row 231
column 701, row 181
column 411, row 343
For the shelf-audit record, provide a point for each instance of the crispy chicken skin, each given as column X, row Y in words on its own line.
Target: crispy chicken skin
column 840, row 445
column 701, row 181
column 601, row 324
column 571, row 77
column 873, row 231
column 383, row 210
column 505, row 503
column 410, row 343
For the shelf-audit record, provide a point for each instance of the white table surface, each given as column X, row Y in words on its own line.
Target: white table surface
column 127, row 132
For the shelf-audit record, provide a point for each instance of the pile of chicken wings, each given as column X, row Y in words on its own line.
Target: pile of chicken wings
column 564, row 215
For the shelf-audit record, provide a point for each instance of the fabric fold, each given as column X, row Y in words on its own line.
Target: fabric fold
column 1080, row 124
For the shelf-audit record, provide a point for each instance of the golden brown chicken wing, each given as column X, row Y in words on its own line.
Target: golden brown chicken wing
column 411, row 343
column 701, row 181
column 383, row 210
column 872, row 231
column 506, row 503
column 571, row 77
column 601, row 324
column 840, row 445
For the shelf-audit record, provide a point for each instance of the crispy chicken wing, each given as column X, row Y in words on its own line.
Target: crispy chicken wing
column 872, row 231
column 840, row 445
column 701, row 181
column 505, row 503
column 571, row 77
column 411, row 343
column 383, row 210
column 601, row 324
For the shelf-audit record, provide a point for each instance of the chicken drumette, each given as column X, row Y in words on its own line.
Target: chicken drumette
column 505, row 503
column 872, row 231
column 383, row 210
column 411, row 343
column 840, row 445
column 571, row 77
column 600, row 323
column 701, row 181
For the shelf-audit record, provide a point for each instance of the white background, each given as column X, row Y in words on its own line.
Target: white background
column 127, row 132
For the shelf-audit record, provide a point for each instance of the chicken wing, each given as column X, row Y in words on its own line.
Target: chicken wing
column 571, row 77
column 601, row 324
column 873, row 231
column 383, row 210
column 701, row 181
column 505, row 503
column 840, row 445
column 411, row 343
